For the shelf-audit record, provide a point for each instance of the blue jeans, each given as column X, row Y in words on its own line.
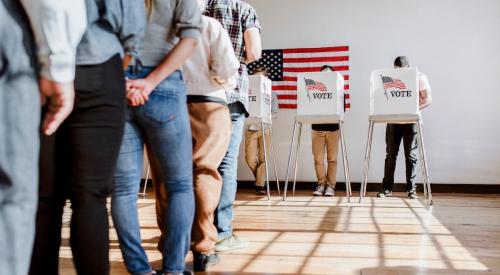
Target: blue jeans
column 229, row 170
column 163, row 124
column 19, row 139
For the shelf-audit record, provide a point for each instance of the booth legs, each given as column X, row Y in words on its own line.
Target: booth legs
column 297, row 153
column 274, row 159
column 265, row 160
column 423, row 159
column 289, row 161
column 364, row 183
column 346, row 163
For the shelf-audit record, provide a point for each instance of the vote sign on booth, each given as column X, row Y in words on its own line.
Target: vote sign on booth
column 320, row 93
column 259, row 96
column 394, row 92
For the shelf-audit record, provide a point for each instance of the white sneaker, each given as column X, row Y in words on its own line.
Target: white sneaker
column 232, row 242
column 329, row 192
column 320, row 189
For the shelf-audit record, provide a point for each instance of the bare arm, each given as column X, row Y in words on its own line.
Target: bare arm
column 424, row 99
column 253, row 44
column 174, row 59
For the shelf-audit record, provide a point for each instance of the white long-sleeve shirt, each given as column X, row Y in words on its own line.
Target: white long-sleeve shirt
column 58, row 26
column 213, row 68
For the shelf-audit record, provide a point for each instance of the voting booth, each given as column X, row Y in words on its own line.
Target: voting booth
column 320, row 94
column 394, row 92
column 320, row 99
column 260, row 115
column 394, row 98
column 259, row 97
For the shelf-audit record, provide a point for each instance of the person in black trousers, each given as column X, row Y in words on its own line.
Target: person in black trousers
column 408, row 133
column 79, row 160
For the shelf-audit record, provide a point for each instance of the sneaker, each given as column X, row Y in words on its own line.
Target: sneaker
column 329, row 192
column 260, row 190
column 320, row 189
column 384, row 193
column 201, row 261
column 185, row 272
column 230, row 243
column 412, row 195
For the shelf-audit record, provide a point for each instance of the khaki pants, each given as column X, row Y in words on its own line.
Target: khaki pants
column 211, row 130
column 330, row 140
column 254, row 154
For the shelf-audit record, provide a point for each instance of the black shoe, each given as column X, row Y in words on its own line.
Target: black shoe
column 260, row 190
column 412, row 195
column 201, row 261
column 384, row 193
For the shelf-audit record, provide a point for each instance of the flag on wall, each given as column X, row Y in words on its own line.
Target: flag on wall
column 283, row 66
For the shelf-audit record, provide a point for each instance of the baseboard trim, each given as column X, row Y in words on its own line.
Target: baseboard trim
column 373, row 187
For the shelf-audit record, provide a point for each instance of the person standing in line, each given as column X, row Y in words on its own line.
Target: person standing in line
column 241, row 22
column 254, row 147
column 210, row 72
column 36, row 60
column 158, row 117
column 81, row 157
column 408, row 134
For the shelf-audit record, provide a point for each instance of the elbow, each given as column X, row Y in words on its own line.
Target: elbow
column 253, row 55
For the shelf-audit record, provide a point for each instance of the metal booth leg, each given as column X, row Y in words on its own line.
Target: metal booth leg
column 146, row 181
column 297, row 159
column 424, row 160
column 289, row 160
column 364, row 183
column 274, row 159
column 265, row 159
column 345, row 162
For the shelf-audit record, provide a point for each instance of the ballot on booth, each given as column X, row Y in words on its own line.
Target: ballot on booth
column 394, row 92
column 320, row 93
column 259, row 96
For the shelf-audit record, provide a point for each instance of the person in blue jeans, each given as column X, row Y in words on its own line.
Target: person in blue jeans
column 158, row 117
column 240, row 21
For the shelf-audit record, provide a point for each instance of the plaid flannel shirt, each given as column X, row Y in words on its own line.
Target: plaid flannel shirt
column 236, row 17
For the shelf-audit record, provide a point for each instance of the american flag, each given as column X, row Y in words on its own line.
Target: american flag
column 390, row 82
column 283, row 66
column 312, row 85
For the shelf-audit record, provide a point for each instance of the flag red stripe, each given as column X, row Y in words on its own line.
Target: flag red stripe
column 288, row 106
column 312, row 69
column 316, row 59
column 284, row 88
column 317, row 50
column 294, row 88
column 294, row 97
column 294, row 78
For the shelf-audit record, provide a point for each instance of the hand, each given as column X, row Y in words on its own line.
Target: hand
column 135, row 98
column 60, row 98
column 138, row 91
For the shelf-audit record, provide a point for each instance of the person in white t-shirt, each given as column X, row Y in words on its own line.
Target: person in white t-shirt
column 408, row 133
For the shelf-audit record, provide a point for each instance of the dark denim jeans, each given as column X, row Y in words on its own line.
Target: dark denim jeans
column 163, row 124
column 393, row 135
column 228, row 170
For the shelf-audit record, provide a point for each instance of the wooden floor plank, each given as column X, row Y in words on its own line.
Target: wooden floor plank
column 460, row 234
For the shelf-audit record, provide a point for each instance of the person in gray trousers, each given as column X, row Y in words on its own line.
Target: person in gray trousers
column 20, row 111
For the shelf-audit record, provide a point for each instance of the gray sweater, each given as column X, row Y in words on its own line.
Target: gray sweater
column 169, row 21
column 114, row 27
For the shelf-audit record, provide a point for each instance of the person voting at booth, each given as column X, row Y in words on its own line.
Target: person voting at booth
column 254, row 147
column 408, row 133
column 325, row 137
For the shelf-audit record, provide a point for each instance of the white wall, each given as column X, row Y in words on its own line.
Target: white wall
column 455, row 42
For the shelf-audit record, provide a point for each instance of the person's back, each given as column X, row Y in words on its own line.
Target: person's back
column 213, row 67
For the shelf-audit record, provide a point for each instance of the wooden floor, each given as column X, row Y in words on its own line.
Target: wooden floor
column 306, row 235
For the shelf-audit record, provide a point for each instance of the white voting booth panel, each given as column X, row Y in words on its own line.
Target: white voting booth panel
column 394, row 92
column 320, row 93
column 259, row 96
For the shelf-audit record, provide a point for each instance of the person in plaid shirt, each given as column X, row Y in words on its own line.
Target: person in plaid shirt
column 241, row 22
